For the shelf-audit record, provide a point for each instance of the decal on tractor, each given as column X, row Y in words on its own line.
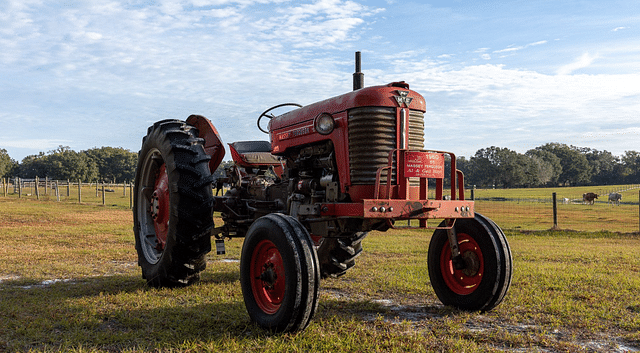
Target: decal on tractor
column 424, row 165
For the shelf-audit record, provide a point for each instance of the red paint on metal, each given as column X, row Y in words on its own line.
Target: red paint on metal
column 283, row 127
column 467, row 280
column 267, row 277
column 400, row 209
column 212, row 142
column 160, row 207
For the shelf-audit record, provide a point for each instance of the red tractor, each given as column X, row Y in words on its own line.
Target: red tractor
column 332, row 171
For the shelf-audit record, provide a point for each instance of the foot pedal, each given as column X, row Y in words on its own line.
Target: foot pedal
column 220, row 247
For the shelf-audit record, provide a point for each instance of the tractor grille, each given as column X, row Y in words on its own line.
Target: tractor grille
column 372, row 135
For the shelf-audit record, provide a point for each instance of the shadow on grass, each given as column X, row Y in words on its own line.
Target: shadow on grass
column 121, row 312
column 115, row 313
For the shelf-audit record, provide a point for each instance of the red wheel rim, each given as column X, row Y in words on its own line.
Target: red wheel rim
column 467, row 280
column 267, row 276
column 160, row 207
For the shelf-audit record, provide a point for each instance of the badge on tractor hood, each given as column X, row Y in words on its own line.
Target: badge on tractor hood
column 403, row 98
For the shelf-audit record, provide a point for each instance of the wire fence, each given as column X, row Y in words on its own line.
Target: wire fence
column 563, row 209
column 518, row 209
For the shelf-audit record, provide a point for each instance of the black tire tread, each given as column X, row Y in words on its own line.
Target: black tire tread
column 338, row 255
column 191, row 216
column 297, row 312
column 489, row 294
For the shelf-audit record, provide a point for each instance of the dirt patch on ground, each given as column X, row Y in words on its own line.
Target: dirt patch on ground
column 420, row 314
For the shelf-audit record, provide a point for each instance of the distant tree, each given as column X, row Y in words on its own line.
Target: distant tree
column 575, row 166
column 631, row 167
column 484, row 166
column 501, row 167
column 33, row 166
column 7, row 165
column 606, row 168
column 114, row 163
column 65, row 163
column 548, row 167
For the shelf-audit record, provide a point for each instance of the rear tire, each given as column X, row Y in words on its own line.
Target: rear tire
column 486, row 278
column 173, row 205
column 337, row 255
column 279, row 274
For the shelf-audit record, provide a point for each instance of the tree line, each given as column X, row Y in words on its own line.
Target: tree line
column 107, row 164
column 552, row 164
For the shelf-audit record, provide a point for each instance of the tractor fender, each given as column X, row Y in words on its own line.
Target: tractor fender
column 212, row 142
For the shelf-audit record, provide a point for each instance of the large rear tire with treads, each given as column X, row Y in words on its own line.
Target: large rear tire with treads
column 173, row 205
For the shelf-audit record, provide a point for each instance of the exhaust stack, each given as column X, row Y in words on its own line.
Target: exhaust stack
column 358, row 77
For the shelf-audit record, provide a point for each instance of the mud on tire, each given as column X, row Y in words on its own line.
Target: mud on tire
column 173, row 205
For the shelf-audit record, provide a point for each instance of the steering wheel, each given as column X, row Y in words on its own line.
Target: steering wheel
column 271, row 116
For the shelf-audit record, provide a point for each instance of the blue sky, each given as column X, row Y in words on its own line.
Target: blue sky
column 514, row 74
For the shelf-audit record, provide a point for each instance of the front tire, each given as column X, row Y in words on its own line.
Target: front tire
column 173, row 205
column 485, row 279
column 279, row 274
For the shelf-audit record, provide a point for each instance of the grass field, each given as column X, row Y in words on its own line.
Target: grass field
column 69, row 281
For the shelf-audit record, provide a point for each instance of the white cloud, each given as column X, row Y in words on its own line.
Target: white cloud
column 131, row 63
column 318, row 24
column 522, row 109
column 513, row 48
column 536, row 43
column 618, row 29
column 585, row 60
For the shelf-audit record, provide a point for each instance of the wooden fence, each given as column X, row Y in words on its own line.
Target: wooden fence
column 68, row 190
column 525, row 209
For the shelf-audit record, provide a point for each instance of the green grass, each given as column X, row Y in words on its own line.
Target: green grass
column 69, row 282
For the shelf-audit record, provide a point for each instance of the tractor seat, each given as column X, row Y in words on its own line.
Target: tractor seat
column 253, row 154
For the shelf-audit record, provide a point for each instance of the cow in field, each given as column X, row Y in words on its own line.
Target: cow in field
column 589, row 198
column 614, row 197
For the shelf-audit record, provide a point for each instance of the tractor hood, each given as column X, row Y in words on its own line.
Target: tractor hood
column 391, row 95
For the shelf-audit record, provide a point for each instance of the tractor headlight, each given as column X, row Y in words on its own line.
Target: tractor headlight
column 324, row 124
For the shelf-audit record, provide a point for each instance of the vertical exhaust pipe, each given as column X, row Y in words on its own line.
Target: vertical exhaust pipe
column 358, row 77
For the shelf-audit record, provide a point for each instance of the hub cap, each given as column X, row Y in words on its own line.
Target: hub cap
column 160, row 208
column 466, row 280
column 267, row 277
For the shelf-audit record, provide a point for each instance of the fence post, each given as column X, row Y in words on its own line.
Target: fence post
column 68, row 188
column 130, row 195
column 124, row 188
column 79, row 191
column 46, row 185
column 57, row 192
column 555, row 210
column 103, row 200
column 19, row 188
column 37, row 188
